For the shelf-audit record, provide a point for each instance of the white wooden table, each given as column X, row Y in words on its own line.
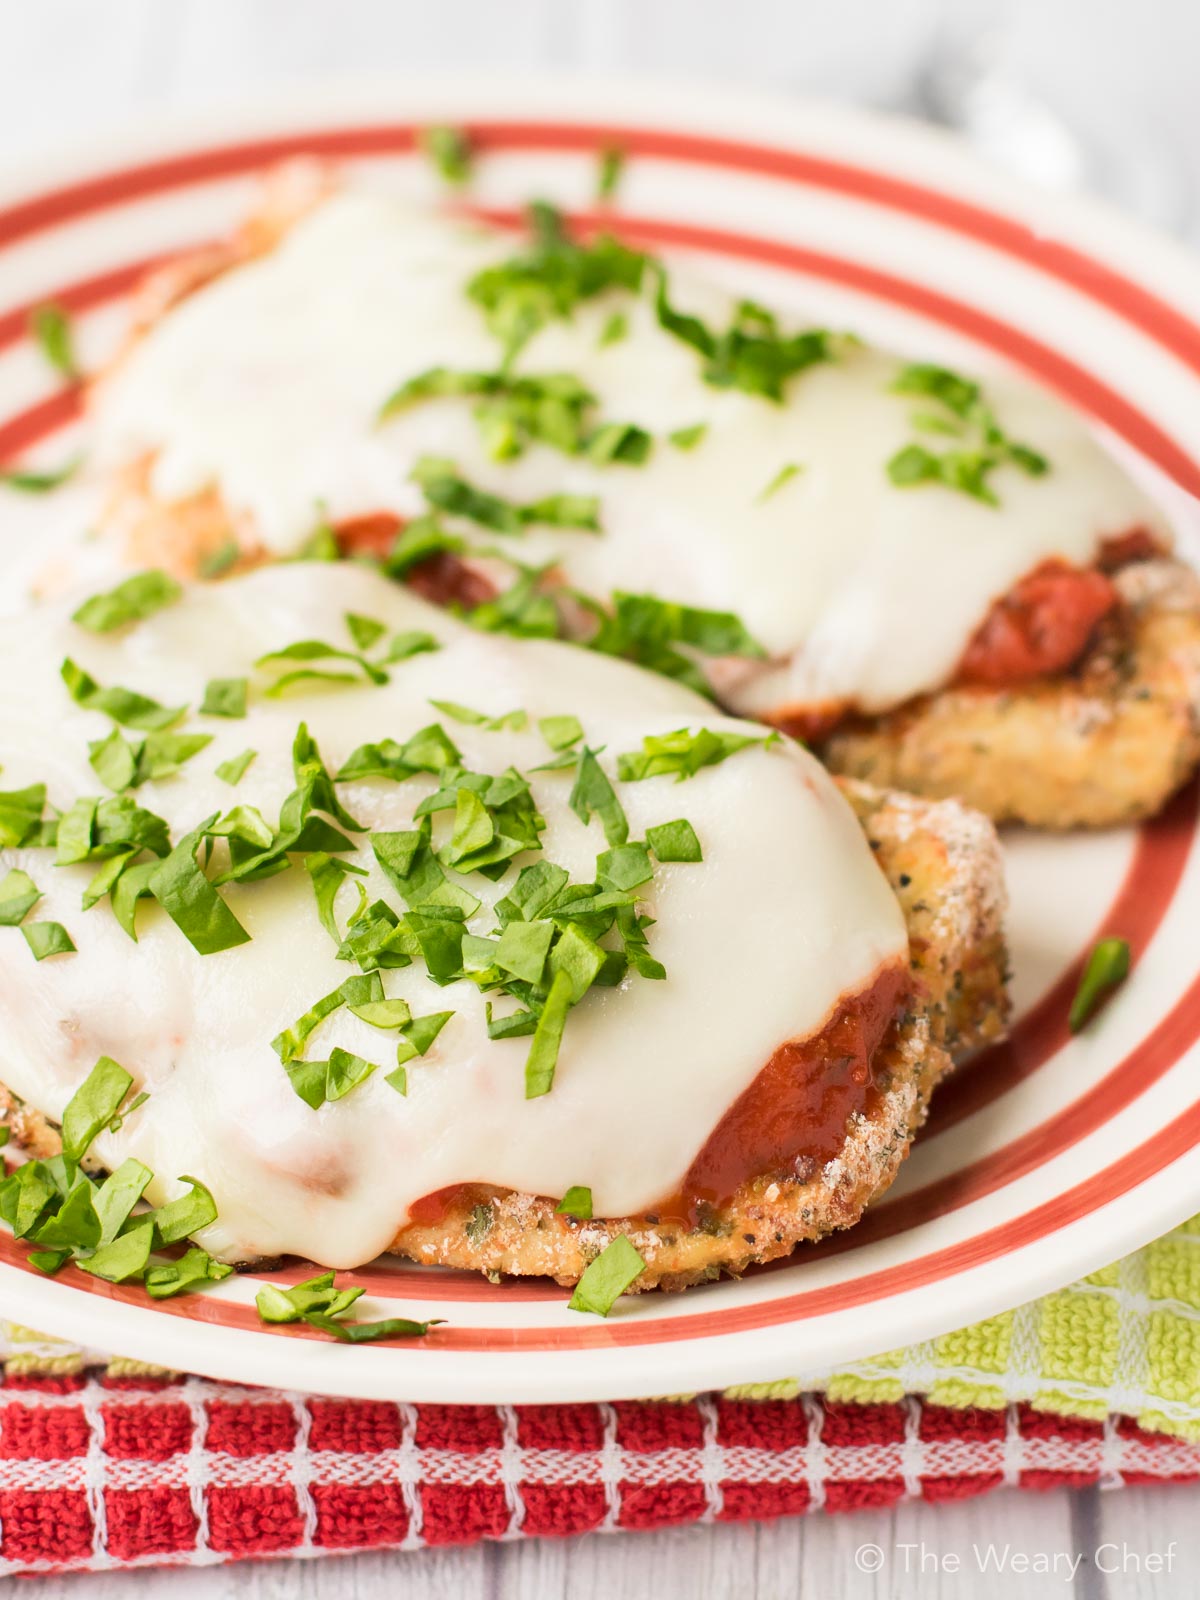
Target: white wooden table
column 76, row 67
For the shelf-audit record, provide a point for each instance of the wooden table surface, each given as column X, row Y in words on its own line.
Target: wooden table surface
column 92, row 66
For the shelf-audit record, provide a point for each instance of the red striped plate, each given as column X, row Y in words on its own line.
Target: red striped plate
column 1044, row 1158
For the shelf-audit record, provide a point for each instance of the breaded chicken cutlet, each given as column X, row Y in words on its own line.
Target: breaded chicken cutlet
column 698, row 991
column 943, row 585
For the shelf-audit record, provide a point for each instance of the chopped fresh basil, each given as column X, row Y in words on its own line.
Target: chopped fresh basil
column 161, row 755
column 118, row 1194
column 549, row 279
column 449, row 150
column 20, row 814
column 233, row 770
column 985, row 446
column 124, row 1257
column 365, row 1332
column 577, row 1202
column 225, row 697
column 615, row 329
column 18, row 896
column 114, row 760
column 93, row 1106
column 612, row 164
column 547, row 1038
column 365, row 631
column 561, row 732
column 444, row 488
column 650, row 621
column 130, row 709
column 47, row 939
column 319, row 1081
column 683, row 753
column 1107, row 967
column 480, row 719
column 219, row 560
column 359, row 992
column 193, row 1268
column 785, row 475
column 606, row 1279
column 416, row 1037
column 138, row 597
column 674, row 841
column 187, row 1215
column 688, row 438
column 191, row 902
column 593, row 793
column 751, row 354
column 29, row 481
column 51, row 328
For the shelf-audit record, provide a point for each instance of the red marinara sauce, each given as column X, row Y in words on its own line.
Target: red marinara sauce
column 442, row 578
column 790, row 1120
column 1040, row 627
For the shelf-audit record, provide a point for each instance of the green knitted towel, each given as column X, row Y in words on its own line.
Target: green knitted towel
column 1126, row 1339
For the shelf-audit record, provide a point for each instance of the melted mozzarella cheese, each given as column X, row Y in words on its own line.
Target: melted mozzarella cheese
column 267, row 384
column 787, row 911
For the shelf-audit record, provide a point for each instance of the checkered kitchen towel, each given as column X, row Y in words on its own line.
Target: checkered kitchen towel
column 113, row 1464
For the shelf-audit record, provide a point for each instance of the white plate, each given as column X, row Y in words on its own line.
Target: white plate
column 1044, row 1159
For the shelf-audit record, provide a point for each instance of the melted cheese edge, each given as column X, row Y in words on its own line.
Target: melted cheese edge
column 787, row 912
column 267, row 383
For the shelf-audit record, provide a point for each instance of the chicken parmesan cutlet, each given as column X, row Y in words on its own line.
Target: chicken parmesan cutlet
column 939, row 581
column 336, row 926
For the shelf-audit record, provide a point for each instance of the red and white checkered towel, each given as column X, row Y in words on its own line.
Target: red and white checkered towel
column 102, row 1472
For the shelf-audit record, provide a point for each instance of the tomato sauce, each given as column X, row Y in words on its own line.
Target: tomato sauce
column 1041, row 627
column 442, row 578
column 789, row 1122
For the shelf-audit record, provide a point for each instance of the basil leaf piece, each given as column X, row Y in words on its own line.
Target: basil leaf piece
column 547, row 1038
column 93, row 1106
column 384, row 1013
column 649, row 620
column 688, row 438
column 186, row 1215
column 751, row 354
column 132, row 885
column 446, row 490
column 219, row 561
column 345, row 1072
column 577, row 1202
column 416, row 1038
column 412, row 642
column 449, row 150
column 47, row 939
column 560, row 732
column 234, row 770
column 18, row 896
column 30, row 482
column 117, row 1196
column 985, row 446
column 194, row 1267
column 522, row 949
column 47, row 1261
column 20, row 813
column 328, row 874
column 114, row 760
column 785, row 475
column 674, row 841
column 606, row 1279
column 615, row 329
column 191, row 902
column 362, row 991
column 480, row 719
column 123, row 1257
column 365, row 1332
column 74, row 1225
column 225, row 697
column 579, row 958
column 51, row 328
column 624, row 867
column 125, row 706
column 537, row 886
column 593, row 793
column 163, row 754
column 138, row 597
column 612, row 165
column 684, row 753
column 1107, row 967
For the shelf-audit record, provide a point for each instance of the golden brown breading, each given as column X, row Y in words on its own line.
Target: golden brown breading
column 1109, row 742
column 943, row 862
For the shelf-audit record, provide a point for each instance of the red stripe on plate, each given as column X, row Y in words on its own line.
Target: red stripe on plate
column 1093, row 278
